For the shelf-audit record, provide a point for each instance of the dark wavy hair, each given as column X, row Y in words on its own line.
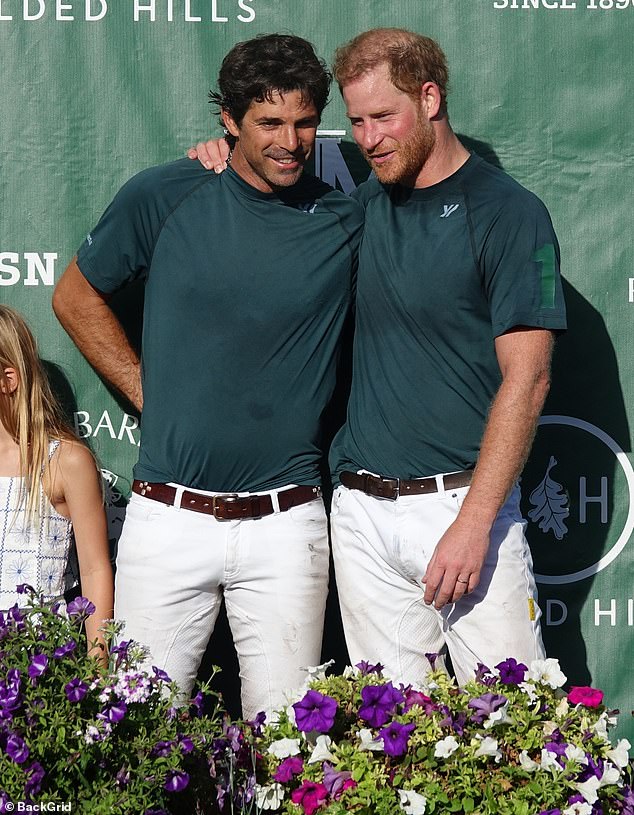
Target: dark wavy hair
column 254, row 69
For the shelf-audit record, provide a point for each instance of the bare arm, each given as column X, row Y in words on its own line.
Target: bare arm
column 212, row 154
column 77, row 495
column 524, row 357
column 84, row 313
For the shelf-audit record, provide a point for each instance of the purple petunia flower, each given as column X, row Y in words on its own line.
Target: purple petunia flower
column 456, row 721
column 80, row 607
column 395, row 738
column 315, row 712
column 379, row 703
column 365, row 668
column 65, row 649
column 17, row 749
column 176, row 781
column 550, row 812
column 511, row 671
column 155, row 812
column 257, row 723
column 33, row 784
column 432, row 658
column 186, row 744
column 294, row 765
column 336, row 782
column 75, row 690
column 160, row 674
column 113, row 713
column 162, row 749
column 485, row 705
column 37, row 666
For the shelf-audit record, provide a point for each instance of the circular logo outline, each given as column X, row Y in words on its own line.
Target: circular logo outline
column 625, row 535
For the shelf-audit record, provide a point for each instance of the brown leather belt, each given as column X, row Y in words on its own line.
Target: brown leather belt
column 392, row 488
column 230, row 506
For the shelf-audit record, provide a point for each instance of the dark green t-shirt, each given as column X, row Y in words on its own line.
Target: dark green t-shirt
column 443, row 271
column 245, row 298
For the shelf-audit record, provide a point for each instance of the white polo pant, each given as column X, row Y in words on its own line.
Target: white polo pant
column 381, row 550
column 174, row 566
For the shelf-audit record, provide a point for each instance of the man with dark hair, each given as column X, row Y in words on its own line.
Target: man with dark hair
column 248, row 284
column 458, row 299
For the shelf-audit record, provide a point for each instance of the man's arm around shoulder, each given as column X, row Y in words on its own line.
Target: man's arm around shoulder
column 86, row 316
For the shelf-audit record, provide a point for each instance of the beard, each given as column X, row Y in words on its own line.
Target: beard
column 410, row 155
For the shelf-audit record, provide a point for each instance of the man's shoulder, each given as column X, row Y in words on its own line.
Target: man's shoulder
column 167, row 181
column 490, row 185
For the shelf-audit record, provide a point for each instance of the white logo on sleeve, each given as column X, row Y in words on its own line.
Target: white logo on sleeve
column 448, row 209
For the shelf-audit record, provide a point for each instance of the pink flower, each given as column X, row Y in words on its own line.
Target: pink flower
column 589, row 697
column 310, row 795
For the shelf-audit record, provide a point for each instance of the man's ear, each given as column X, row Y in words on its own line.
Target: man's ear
column 230, row 124
column 431, row 99
column 9, row 381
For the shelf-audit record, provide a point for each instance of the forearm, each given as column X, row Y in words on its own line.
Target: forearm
column 91, row 324
column 96, row 585
column 506, row 442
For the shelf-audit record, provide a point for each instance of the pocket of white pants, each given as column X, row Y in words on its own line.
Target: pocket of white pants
column 142, row 509
column 312, row 513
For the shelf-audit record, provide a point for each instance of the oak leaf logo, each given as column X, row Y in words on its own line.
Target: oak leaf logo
column 551, row 505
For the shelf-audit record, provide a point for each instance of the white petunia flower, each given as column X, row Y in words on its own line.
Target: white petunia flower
column 574, row 753
column 619, row 755
column 529, row 690
column 488, row 747
column 527, row 763
column 349, row 671
column 283, row 748
column 547, row 672
column 548, row 728
column 499, row 716
column 611, row 775
column 549, row 761
column 580, row 808
column 412, row 803
column 368, row 742
column 561, row 711
column 318, row 672
column 446, row 747
column 602, row 724
column 589, row 789
column 321, row 752
column 270, row 796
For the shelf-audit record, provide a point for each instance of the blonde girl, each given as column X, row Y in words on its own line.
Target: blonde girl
column 49, row 486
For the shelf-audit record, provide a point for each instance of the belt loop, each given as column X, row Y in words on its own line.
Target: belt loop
column 178, row 495
column 440, row 485
column 275, row 501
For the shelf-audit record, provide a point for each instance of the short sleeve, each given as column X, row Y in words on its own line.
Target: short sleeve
column 520, row 265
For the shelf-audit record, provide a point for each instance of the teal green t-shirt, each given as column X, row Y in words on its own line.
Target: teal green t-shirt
column 245, row 298
column 443, row 271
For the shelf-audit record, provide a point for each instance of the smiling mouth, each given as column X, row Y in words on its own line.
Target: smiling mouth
column 288, row 162
column 379, row 158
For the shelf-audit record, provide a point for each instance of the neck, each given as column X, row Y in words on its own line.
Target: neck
column 447, row 156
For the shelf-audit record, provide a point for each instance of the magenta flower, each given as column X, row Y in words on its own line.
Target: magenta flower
column 37, row 666
column 176, row 781
column 75, row 690
column 511, row 671
column 315, row 712
column 80, row 607
column 310, row 795
column 586, row 696
column 65, row 649
column 294, row 765
column 396, row 738
column 485, row 705
column 16, row 748
column 415, row 697
column 379, row 703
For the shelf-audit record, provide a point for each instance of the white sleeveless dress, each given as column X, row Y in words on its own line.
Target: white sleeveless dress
column 37, row 554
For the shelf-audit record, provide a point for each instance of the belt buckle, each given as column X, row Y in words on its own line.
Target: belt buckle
column 227, row 498
column 394, row 484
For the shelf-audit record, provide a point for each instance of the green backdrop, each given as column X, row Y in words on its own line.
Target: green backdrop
column 93, row 91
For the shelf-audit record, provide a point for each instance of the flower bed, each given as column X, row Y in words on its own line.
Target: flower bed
column 112, row 742
column 511, row 742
